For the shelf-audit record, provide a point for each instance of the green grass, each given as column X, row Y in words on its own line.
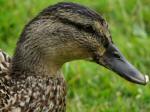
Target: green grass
column 92, row 88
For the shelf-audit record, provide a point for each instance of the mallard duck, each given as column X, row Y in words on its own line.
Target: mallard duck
column 60, row 33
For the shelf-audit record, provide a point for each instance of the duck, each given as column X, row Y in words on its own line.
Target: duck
column 31, row 81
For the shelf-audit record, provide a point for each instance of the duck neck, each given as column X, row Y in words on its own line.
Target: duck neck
column 32, row 62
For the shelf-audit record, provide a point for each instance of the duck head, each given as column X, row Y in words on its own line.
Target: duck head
column 66, row 32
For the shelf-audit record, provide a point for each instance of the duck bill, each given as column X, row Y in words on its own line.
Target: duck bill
column 115, row 61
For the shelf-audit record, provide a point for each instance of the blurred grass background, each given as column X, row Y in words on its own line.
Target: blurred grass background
column 92, row 88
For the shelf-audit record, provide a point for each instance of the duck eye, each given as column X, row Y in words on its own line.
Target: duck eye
column 116, row 55
column 106, row 45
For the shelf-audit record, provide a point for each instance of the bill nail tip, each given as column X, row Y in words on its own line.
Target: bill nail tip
column 146, row 78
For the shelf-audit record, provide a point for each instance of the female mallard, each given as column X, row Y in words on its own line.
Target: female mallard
column 60, row 33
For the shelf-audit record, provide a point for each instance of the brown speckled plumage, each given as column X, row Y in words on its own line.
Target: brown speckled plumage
column 33, row 93
column 32, row 80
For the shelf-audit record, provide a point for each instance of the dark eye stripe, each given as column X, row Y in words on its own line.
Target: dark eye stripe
column 79, row 26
